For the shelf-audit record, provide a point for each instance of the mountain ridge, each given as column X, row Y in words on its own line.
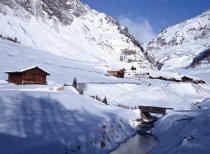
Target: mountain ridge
column 70, row 28
column 178, row 45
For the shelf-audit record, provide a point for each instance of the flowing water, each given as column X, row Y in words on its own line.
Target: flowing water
column 138, row 144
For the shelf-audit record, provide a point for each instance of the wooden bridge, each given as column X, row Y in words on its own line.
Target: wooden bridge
column 146, row 110
column 152, row 109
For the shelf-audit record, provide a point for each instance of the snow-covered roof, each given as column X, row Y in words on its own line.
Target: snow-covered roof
column 115, row 69
column 112, row 70
column 168, row 75
column 26, row 69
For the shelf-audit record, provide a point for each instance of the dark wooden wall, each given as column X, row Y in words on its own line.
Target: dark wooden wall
column 121, row 74
column 33, row 76
column 15, row 78
column 118, row 74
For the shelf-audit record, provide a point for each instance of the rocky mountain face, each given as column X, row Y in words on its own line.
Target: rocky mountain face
column 70, row 28
column 61, row 10
column 180, row 45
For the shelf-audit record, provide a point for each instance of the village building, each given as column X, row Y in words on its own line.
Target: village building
column 142, row 75
column 32, row 75
column 118, row 74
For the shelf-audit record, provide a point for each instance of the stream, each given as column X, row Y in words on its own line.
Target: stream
column 138, row 144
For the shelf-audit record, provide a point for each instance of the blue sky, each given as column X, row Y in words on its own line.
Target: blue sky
column 149, row 17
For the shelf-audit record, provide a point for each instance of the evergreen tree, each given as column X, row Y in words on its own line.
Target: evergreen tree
column 105, row 101
column 74, row 83
column 133, row 68
column 15, row 40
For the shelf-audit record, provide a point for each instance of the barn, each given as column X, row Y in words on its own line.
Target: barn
column 118, row 74
column 32, row 75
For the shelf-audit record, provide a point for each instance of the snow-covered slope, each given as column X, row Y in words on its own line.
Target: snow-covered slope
column 184, row 132
column 70, row 29
column 37, row 119
column 178, row 45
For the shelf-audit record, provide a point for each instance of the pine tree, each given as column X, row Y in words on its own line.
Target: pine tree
column 74, row 83
column 133, row 68
column 105, row 101
column 15, row 40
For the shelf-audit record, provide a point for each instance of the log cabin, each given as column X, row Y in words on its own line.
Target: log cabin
column 32, row 75
column 118, row 74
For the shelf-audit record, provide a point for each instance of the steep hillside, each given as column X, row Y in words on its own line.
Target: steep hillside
column 178, row 45
column 69, row 28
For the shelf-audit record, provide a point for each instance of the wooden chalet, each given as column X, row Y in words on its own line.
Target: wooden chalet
column 118, row 74
column 32, row 75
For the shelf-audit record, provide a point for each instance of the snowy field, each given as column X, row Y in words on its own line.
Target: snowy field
column 158, row 93
column 41, row 119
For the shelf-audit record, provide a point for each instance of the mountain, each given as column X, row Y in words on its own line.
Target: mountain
column 69, row 28
column 180, row 46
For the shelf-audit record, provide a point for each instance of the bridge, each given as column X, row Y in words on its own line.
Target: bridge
column 146, row 110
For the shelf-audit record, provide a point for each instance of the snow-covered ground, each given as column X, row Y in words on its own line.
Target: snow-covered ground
column 75, row 41
column 185, row 132
column 41, row 119
column 152, row 93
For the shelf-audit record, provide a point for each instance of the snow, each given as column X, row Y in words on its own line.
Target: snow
column 61, row 117
column 90, row 33
column 162, row 94
column 25, row 69
column 177, row 46
column 172, row 74
column 39, row 116
column 42, row 119
column 184, row 132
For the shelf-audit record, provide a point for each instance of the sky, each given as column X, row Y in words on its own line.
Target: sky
column 146, row 18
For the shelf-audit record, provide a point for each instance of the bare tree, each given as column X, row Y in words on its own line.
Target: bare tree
column 81, row 87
